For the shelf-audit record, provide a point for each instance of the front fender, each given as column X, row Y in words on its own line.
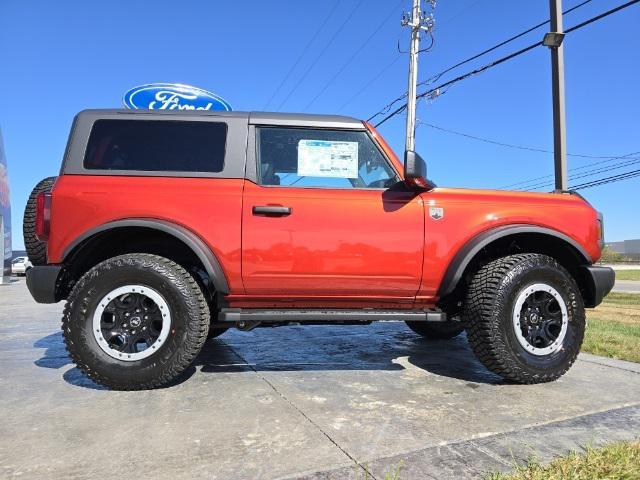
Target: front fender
column 466, row 254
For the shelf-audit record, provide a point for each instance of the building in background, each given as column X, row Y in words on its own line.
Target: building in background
column 626, row 247
column 5, row 218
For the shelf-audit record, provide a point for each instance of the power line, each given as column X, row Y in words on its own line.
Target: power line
column 326, row 47
column 370, row 82
column 398, row 57
column 612, row 159
column 464, row 9
column 501, row 44
column 510, row 145
column 541, row 182
column 504, row 59
column 302, row 54
column 354, row 55
column 588, row 173
column 474, row 57
column 460, row 78
column 606, row 180
column 601, row 16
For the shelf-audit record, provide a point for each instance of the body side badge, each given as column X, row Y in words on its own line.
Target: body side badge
column 437, row 213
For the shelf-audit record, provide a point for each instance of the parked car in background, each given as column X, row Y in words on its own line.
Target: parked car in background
column 20, row 265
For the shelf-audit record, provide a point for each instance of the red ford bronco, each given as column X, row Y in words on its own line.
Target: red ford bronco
column 167, row 228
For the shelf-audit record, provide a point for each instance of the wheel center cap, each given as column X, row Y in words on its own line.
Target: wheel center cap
column 534, row 318
column 135, row 321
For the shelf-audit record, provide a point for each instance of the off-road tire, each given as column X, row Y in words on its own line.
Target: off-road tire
column 488, row 317
column 36, row 249
column 437, row 330
column 189, row 321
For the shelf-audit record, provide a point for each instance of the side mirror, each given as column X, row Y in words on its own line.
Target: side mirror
column 415, row 171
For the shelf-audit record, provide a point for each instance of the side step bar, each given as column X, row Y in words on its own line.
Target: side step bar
column 234, row 315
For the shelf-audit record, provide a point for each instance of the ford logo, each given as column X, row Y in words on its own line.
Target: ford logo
column 173, row 96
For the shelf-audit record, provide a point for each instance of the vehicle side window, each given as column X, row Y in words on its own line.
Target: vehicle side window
column 321, row 158
column 157, row 145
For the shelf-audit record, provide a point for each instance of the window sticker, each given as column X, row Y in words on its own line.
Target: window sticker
column 322, row 158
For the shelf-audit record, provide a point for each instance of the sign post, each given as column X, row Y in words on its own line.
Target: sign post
column 5, row 218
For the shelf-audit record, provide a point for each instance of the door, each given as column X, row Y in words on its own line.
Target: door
column 327, row 216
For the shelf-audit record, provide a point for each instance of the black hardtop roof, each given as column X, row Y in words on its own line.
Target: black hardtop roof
column 254, row 118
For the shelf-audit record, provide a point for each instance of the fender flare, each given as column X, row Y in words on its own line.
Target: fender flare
column 469, row 250
column 193, row 241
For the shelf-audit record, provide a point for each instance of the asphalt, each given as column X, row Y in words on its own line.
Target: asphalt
column 629, row 286
column 293, row 403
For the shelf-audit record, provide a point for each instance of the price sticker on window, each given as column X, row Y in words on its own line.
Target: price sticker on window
column 322, row 158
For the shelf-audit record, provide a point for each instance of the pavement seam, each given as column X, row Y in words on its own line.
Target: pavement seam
column 473, row 439
column 304, row 415
column 490, row 453
column 608, row 365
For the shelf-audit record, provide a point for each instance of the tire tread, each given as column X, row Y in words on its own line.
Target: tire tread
column 481, row 320
column 198, row 327
column 36, row 249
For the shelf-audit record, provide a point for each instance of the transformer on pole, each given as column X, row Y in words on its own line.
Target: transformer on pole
column 417, row 20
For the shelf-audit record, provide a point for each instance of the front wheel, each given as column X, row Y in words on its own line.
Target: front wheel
column 135, row 322
column 525, row 318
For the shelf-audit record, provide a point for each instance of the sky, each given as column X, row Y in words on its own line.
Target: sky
column 333, row 56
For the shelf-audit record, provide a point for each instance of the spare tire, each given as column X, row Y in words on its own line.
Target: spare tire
column 36, row 249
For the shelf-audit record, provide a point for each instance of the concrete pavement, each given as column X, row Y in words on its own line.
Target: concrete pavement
column 295, row 402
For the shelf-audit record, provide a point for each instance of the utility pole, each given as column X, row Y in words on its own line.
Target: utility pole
column 553, row 40
column 417, row 20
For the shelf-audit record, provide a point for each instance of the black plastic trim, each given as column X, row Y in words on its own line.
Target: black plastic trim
column 600, row 281
column 312, row 315
column 472, row 247
column 193, row 241
column 235, row 155
column 42, row 283
column 271, row 210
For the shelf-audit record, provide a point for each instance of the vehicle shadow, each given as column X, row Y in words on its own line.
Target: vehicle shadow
column 54, row 355
column 383, row 346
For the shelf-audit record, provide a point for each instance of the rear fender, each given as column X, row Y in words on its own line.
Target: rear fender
column 193, row 241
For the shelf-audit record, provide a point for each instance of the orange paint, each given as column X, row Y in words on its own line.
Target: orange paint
column 338, row 248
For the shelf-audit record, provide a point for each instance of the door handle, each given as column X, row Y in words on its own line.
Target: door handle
column 272, row 210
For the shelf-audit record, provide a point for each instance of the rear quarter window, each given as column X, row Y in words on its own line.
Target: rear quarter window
column 156, row 146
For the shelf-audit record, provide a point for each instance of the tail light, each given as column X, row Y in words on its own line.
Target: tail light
column 43, row 215
column 600, row 226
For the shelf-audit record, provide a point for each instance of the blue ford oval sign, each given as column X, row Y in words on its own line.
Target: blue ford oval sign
column 173, row 96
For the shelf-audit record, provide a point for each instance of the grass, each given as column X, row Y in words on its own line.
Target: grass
column 618, row 461
column 627, row 274
column 392, row 474
column 613, row 328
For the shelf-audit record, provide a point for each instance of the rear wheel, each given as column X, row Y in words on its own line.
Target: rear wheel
column 135, row 322
column 36, row 249
column 437, row 330
column 525, row 318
